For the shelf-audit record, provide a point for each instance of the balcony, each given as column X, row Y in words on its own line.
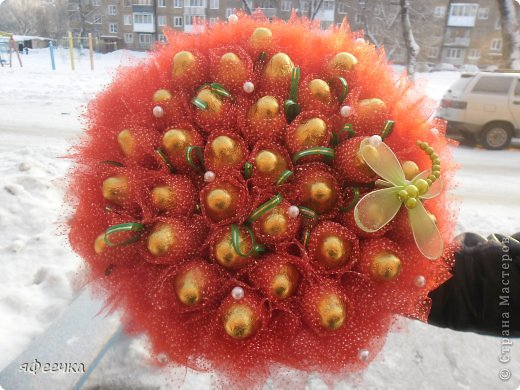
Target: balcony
column 325, row 15
column 195, row 11
column 457, row 41
column 461, row 21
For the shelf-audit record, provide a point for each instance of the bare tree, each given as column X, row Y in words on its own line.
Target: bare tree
column 412, row 48
column 81, row 15
column 21, row 16
column 510, row 34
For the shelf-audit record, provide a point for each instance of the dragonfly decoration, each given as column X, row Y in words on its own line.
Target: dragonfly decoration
column 378, row 208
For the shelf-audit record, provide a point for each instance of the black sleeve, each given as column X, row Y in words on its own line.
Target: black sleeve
column 483, row 296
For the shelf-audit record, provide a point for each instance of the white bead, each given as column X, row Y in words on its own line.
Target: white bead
column 248, row 87
column 360, row 41
column 162, row 358
column 209, row 176
column 158, row 112
column 375, row 141
column 345, row 111
column 233, row 19
column 420, row 281
column 237, row 293
column 293, row 211
column 363, row 354
column 435, row 131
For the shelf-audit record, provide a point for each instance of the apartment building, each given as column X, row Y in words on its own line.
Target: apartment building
column 456, row 32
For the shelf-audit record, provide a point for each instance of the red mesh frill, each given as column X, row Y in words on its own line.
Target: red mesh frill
column 223, row 225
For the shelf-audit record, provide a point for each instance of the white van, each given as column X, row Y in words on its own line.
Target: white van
column 484, row 107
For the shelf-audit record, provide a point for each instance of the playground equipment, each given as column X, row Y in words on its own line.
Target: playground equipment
column 11, row 47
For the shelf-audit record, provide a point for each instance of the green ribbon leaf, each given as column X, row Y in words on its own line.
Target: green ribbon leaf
column 248, row 170
column 264, row 208
column 317, row 151
column 124, row 227
column 283, row 177
column 200, row 104
column 114, row 163
column 165, row 159
column 292, row 109
column 295, row 79
column 340, row 86
column 189, row 157
column 235, row 241
column 353, row 203
column 308, row 213
column 388, row 127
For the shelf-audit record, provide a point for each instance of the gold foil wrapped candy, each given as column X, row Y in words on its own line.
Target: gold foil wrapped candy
column 115, row 189
column 385, row 266
column 161, row 240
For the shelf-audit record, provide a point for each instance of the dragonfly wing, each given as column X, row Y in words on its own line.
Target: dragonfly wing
column 425, row 232
column 376, row 209
column 383, row 161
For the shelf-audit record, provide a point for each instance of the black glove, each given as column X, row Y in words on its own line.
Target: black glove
column 483, row 296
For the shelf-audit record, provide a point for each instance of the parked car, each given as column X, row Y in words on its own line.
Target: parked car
column 491, row 68
column 468, row 68
column 444, row 67
column 423, row 67
column 484, row 108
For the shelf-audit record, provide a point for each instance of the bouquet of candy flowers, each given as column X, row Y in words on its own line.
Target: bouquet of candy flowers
column 263, row 195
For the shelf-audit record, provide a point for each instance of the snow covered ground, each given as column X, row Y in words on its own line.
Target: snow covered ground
column 38, row 121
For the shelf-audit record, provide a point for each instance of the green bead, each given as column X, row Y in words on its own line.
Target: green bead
column 424, row 146
column 411, row 203
column 437, row 174
column 429, row 150
column 436, row 168
column 429, row 182
column 434, row 156
column 422, row 186
column 436, row 161
column 412, row 191
column 418, row 143
column 403, row 195
column 432, row 177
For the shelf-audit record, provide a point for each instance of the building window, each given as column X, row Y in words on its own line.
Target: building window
column 498, row 24
column 496, row 44
column 143, row 2
column 213, row 20
column 342, row 8
column 161, row 20
column 178, row 3
column 454, row 54
column 113, row 28
column 127, row 20
column 193, row 19
column 143, row 19
column 145, row 38
column 197, row 3
column 177, row 21
column 129, row 38
column 128, row 3
column 162, row 38
column 358, row 19
column 96, row 19
column 433, row 52
column 229, row 12
column 213, row 4
column 161, row 3
column 474, row 54
column 112, row 10
column 439, row 12
column 483, row 13
column 328, row 5
column 96, row 3
column 463, row 9
column 286, row 6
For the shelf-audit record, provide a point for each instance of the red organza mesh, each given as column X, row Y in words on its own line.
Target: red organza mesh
column 178, row 276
